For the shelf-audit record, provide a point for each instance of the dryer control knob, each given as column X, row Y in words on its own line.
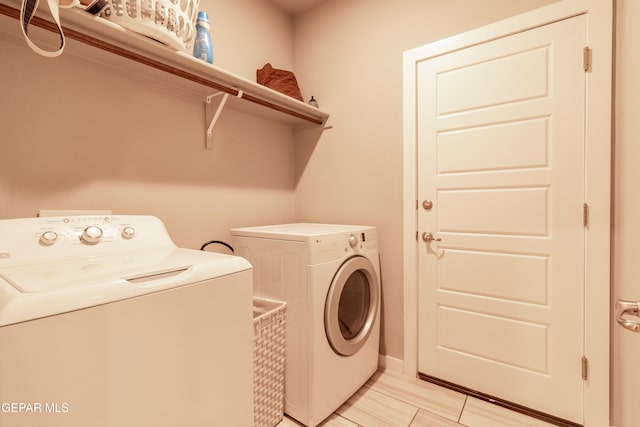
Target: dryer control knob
column 91, row 235
column 353, row 240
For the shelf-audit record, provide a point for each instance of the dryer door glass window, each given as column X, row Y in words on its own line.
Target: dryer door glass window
column 352, row 305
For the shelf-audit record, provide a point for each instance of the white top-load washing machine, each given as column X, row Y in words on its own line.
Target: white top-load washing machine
column 329, row 275
column 104, row 322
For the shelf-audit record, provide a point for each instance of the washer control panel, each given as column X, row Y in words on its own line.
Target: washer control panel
column 86, row 230
column 50, row 238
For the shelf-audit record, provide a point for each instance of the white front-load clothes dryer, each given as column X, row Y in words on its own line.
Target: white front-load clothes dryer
column 329, row 275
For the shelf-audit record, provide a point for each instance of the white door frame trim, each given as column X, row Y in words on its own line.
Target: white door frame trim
column 598, row 134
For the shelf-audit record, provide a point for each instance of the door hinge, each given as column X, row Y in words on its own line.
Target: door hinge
column 585, row 368
column 586, row 58
column 585, row 215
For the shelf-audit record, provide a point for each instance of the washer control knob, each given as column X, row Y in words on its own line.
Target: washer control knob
column 128, row 232
column 48, row 237
column 353, row 240
column 91, row 235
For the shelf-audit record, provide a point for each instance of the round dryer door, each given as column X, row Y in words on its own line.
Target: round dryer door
column 351, row 306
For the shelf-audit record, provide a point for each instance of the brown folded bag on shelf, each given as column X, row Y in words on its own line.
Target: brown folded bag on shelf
column 281, row 80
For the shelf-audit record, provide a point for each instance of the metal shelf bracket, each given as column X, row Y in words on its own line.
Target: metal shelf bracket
column 215, row 116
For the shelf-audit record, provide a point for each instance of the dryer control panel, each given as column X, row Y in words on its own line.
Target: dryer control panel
column 324, row 242
column 330, row 247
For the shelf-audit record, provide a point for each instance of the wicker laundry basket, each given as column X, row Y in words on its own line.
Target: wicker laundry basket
column 269, row 326
column 172, row 22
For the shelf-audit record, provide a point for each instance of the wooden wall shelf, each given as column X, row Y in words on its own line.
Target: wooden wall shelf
column 203, row 79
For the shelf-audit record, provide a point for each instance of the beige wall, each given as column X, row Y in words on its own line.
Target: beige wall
column 75, row 135
column 249, row 33
column 349, row 53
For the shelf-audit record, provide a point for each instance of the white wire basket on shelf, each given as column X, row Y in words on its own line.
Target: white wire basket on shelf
column 172, row 22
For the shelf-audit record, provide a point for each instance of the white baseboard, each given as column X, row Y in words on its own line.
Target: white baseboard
column 388, row 363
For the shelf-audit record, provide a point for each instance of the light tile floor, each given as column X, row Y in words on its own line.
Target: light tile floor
column 392, row 400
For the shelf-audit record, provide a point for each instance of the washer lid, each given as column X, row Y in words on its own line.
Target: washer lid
column 30, row 291
column 54, row 276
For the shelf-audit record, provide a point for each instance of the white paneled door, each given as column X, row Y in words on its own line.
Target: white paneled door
column 501, row 187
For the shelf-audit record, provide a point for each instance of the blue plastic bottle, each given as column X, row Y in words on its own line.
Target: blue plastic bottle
column 203, row 47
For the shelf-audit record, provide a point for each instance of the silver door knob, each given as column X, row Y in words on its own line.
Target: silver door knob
column 428, row 237
column 628, row 308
